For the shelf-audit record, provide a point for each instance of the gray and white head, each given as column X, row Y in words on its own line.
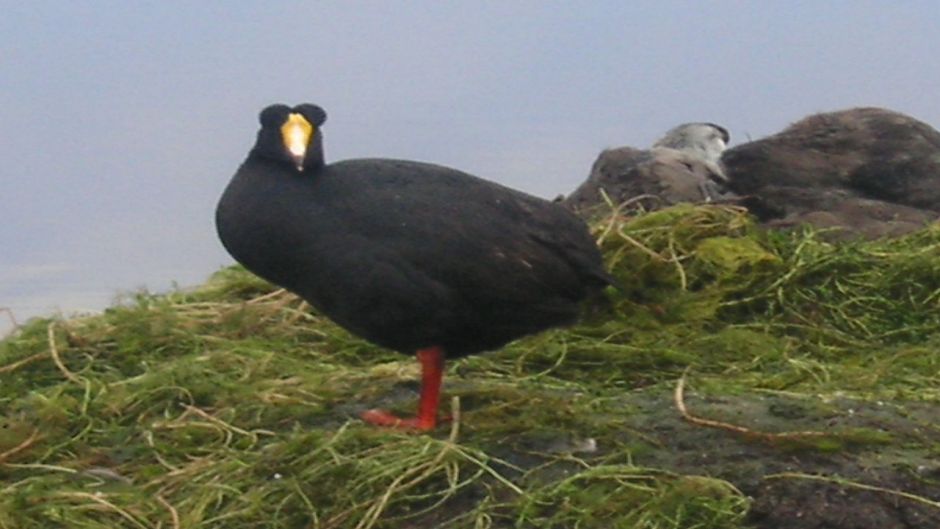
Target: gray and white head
column 704, row 139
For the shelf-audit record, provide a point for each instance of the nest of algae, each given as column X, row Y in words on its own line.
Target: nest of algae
column 233, row 405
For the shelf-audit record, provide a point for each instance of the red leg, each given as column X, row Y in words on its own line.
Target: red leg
column 432, row 370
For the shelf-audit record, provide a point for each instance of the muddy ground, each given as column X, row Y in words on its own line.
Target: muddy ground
column 877, row 470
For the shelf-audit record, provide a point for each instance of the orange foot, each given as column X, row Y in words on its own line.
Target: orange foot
column 388, row 419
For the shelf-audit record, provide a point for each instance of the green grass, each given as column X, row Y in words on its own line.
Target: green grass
column 234, row 406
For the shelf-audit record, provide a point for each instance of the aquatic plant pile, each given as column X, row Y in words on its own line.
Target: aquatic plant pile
column 233, row 405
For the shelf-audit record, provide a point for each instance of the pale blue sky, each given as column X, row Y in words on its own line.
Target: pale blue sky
column 121, row 122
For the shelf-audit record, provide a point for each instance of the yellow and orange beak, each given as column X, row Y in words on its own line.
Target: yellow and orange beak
column 296, row 133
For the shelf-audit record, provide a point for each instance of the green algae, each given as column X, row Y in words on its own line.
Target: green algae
column 234, row 405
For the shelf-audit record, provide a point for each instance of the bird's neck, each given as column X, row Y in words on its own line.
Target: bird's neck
column 314, row 159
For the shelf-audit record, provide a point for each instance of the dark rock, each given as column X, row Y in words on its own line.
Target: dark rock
column 683, row 166
column 871, row 172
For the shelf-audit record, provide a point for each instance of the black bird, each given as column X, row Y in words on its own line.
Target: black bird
column 409, row 255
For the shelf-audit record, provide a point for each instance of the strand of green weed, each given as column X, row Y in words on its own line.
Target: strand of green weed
column 414, row 476
column 100, row 500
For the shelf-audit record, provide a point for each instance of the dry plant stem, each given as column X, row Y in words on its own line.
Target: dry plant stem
column 643, row 248
column 300, row 312
column 455, row 418
column 615, row 210
column 699, row 421
column 22, row 362
column 174, row 515
column 855, row 485
column 104, row 503
column 266, row 297
column 219, row 422
column 54, row 351
column 674, row 258
column 30, row 441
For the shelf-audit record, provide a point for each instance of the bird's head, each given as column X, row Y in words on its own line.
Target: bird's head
column 291, row 135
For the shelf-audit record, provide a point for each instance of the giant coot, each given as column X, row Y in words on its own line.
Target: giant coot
column 411, row 256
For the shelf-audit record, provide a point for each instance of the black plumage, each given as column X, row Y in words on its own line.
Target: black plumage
column 408, row 255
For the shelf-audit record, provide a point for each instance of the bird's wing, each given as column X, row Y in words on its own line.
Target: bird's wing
column 476, row 237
